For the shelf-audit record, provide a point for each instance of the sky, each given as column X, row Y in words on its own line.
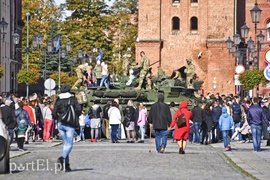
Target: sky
column 58, row 2
column 63, row 1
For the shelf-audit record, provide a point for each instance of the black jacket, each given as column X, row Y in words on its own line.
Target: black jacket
column 95, row 112
column 197, row 114
column 129, row 113
column 105, row 111
column 61, row 104
column 160, row 115
column 136, row 115
column 8, row 116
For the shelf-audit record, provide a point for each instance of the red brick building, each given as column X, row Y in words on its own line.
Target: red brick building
column 170, row 31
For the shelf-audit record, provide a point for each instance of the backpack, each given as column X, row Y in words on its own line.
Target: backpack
column 236, row 112
column 236, row 109
column 181, row 120
column 81, row 97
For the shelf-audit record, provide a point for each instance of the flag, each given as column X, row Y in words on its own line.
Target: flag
column 58, row 44
column 99, row 56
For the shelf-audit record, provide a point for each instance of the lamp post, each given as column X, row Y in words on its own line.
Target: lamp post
column 37, row 40
column 61, row 53
column 3, row 31
column 251, row 49
column 71, row 64
column 82, row 54
column 4, row 25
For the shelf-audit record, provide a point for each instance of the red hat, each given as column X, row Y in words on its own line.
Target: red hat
column 217, row 94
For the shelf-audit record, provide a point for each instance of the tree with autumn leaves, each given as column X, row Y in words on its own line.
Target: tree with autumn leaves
column 91, row 24
column 252, row 79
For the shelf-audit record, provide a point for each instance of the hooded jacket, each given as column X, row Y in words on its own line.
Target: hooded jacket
column 182, row 132
column 225, row 120
column 160, row 114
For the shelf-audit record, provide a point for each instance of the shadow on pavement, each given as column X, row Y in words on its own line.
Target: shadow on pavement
column 86, row 169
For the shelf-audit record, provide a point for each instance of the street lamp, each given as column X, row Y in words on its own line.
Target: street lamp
column 3, row 31
column 4, row 25
column 62, row 53
column 83, row 54
column 36, row 41
column 251, row 48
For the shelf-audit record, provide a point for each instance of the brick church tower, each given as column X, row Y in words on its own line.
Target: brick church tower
column 170, row 31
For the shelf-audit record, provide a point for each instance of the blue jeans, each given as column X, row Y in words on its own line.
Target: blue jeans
column 82, row 133
column 11, row 135
column 114, row 128
column 119, row 131
column 67, row 134
column 215, row 133
column 197, row 127
column 226, row 138
column 142, row 129
column 104, row 80
column 160, row 139
column 256, row 136
column 237, row 125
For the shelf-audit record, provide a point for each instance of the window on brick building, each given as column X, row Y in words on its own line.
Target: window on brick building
column 268, row 33
column 194, row 1
column 176, row 1
column 175, row 24
column 194, row 23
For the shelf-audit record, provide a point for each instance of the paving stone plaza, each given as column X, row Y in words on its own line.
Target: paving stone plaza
column 104, row 160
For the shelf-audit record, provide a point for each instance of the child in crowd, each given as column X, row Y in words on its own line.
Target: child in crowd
column 225, row 124
column 82, row 125
column 142, row 120
column 21, row 130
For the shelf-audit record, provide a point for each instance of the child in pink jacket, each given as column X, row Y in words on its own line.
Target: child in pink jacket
column 142, row 120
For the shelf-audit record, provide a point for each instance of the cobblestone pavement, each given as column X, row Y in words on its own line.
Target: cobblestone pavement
column 104, row 160
column 255, row 163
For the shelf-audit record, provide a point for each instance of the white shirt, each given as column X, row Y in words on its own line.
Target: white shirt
column 104, row 69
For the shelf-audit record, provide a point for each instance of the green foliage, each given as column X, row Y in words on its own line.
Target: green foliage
column 92, row 24
column 28, row 77
column 65, row 78
column 1, row 71
column 42, row 13
column 252, row 79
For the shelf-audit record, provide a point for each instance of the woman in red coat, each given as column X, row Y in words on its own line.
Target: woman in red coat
column 181, row 134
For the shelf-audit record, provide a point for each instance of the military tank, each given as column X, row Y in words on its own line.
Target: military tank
column 173, row 92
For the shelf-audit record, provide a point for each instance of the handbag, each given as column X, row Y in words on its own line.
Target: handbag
column 69, row 117
column 181, row 120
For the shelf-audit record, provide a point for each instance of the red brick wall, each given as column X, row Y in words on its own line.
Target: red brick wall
column 215, row 24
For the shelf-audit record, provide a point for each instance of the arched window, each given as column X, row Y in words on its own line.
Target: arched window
column 268, row 33
column 194, row 23
column 175, row 24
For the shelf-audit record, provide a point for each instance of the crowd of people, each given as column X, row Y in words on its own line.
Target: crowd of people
column 222, row 118
column 28, row 119
column 227, row 118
